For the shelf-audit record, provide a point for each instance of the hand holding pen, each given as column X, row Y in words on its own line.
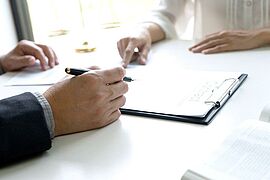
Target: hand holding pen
column 87, row 102
column 77, row 72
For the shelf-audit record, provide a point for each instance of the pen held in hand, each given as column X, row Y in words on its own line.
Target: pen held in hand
column 77, row 72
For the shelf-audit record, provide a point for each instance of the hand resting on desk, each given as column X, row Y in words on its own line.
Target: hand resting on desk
column 25, row 54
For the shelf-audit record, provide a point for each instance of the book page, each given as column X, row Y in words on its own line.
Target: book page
column 32, row 76
column 245, row 154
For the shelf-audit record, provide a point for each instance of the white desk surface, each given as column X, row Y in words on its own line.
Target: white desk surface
column 146, row 148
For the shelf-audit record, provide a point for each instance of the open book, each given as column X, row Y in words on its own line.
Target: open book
column 245, row 154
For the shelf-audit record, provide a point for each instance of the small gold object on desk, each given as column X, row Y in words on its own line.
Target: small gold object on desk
column 84, row 48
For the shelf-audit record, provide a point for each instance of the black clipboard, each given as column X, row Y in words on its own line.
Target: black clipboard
column 217, row 104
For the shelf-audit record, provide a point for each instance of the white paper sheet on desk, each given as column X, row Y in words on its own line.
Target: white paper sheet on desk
column 32, row 76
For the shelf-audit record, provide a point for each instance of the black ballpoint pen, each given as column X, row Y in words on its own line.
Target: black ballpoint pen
column 76, row 72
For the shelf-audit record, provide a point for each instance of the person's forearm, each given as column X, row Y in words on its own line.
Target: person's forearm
column 263, row 35
column 155, row 31
column 23, row 128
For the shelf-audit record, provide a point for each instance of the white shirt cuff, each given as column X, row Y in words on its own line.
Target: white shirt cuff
column 47, row 112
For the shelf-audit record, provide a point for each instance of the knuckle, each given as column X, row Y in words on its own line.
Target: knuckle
column 93, row 77
column 90, row 80
column 21, row 42
column 100, row 97
column 38, row 50
column 45, row 47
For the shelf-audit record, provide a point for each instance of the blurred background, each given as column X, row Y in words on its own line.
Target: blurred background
column 85, row 23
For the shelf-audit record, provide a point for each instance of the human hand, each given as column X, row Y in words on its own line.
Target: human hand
column 135, row 47
column 228, row 41
column 26, row 53
column 88, row 101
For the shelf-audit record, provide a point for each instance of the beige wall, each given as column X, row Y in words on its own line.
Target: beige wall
column 8, row 37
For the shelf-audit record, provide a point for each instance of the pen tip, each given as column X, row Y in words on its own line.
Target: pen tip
column 128, row 79
column 67, row 70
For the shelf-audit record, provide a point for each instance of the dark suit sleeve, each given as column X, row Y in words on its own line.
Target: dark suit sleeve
column 23, row 129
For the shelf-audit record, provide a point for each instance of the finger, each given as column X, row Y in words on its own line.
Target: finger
column 208, row 45
column 143, row 55
column 111, row 76
column 128, row 53
column 119, row 102
column 27, row 60
column 56, row 58
column 50, row 55
column 118, row 89
column 107, row 120
column 114, row 116
column 116, row 104
column 120, row 47
column 217, row 49
column 34, row 50
column 207, row 39
column 114, row 113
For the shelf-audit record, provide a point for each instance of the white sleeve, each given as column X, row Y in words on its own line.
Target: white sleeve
column 166, row 14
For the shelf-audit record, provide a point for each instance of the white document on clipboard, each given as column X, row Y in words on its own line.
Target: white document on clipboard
column 180, row 95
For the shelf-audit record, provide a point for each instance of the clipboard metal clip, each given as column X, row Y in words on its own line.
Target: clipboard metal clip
column 222, row 92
